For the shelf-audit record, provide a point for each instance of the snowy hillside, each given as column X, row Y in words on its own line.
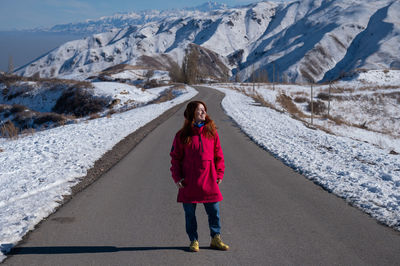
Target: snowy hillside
column 28, row 105
column 310, row 40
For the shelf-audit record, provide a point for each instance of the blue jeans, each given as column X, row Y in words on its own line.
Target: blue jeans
column 212, row 210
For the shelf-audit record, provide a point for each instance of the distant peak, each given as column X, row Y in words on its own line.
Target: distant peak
column 209, row 6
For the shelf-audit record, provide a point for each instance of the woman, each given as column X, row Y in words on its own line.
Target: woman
column 197, row 169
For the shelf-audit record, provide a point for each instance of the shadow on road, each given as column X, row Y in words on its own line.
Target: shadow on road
column 84, row 249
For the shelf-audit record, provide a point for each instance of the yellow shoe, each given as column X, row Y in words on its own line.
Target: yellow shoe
column 194, row 246
column 217, row 243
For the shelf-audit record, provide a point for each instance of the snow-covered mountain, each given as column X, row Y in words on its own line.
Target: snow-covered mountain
column 308, row 40
column 121, row 20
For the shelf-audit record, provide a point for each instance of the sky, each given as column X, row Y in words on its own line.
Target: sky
column 28, row 14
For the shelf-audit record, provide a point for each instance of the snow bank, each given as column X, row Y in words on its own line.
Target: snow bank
column 54, row 160
column 362, row 174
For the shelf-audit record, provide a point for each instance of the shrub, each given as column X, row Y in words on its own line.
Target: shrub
column 17, row 90
column 4, row 107
column 323, row 96
column 300, row 99
column 151, row 84
column 79, row 103
column 5, row 91
column 9, row 79
column 49, row 118
column 24, row 119
column 17, row 108
column 319, row 107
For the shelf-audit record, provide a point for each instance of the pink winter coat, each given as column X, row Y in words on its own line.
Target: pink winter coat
column 200, row 164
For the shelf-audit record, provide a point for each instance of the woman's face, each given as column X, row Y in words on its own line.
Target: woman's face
column 200, row 113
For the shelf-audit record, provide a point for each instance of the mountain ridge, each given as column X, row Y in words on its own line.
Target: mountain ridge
column 298, row 41
column 125, row 19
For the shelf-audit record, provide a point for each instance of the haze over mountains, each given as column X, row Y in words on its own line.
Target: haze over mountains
column 298, row 41
column 121, row 20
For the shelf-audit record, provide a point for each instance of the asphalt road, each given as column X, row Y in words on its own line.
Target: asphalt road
column 270, row 214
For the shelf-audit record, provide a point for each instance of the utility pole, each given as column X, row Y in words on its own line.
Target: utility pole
column 329, row 98
column 253, row 78
column 273, row 76
column 312, row 105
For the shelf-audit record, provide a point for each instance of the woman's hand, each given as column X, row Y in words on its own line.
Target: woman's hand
column 179, row 184
column 219, row 181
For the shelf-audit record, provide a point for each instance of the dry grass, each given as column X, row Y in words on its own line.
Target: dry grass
column 152, row 62
column 394, row 95
column 94, row 116
column 129, row 102
column 338, row 90
column 122, row 67
column 9, row 80
column 166, row 96
column 258, row 98
column 118, row 69
column 371, row 104
column 28, row 131
column 22, row 120
column 9, row 130
column 114, row 103
column 338, row 120
column 178, row 87
column 287, row 103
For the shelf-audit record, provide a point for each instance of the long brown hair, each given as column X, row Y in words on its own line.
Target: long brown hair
column 187, row 132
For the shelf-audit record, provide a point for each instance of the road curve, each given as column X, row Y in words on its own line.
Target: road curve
column 270, row 214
